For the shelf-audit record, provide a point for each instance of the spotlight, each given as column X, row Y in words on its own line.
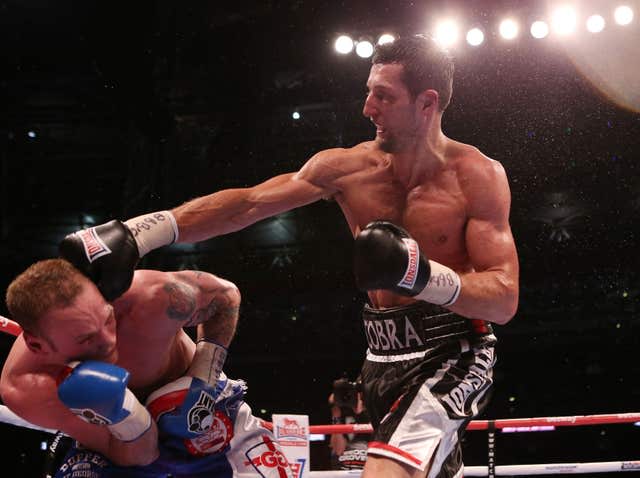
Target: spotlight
column 623, row 15
column 539, row 29
column 364, row 49
column 446, row 33
column 475, row 37
column 296, row 115
column 595, row 23
column 386, row 38
column 344, row 45
column 564, row 20
column 31, row 134
column 508, row 29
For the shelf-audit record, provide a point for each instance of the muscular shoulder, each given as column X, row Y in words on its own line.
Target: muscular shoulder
column 483, row 181
column 328, row 167
column 177, row 295
column 32, row 396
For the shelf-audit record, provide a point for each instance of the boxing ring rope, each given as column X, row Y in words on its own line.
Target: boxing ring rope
column 516, row 424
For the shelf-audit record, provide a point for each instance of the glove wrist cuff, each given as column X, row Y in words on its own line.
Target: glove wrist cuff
column 443, row 287
column 208, row 361
column 135, row 424
column 153, row 230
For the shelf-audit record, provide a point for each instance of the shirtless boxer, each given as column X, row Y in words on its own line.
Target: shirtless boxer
column 85, row 366
column 410, row 193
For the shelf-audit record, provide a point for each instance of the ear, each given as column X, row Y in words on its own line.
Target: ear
column 36, row 344
column 428, row 99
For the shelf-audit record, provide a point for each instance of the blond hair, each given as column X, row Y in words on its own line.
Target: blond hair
column 42, row 286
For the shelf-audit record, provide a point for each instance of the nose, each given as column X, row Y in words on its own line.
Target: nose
column 108, row 338
column 369, row 109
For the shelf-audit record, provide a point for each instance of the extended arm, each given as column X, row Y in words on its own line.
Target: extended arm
column 109, row 253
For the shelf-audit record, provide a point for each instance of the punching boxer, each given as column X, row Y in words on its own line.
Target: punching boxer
column 434, row 250
column 86, row 367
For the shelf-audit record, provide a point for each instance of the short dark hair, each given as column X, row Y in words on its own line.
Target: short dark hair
column 44, row 285
column 426, row 65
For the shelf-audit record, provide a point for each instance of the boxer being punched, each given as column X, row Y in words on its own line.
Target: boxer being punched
column 86, row 367
column 434, row 250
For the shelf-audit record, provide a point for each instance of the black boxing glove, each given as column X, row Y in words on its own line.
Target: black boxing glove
column 386, row 257
column 106, row 254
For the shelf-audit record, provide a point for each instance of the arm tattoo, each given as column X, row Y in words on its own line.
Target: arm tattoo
column 182, row 301
column 203, row 314
column 186, row 304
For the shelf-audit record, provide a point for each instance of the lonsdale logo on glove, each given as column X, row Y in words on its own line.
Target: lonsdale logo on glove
column 413, row 251
column 94, row 247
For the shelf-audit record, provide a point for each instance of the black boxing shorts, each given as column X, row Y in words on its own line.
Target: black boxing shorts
column 426, row 375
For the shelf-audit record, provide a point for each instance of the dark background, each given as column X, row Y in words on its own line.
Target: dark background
column 143, row 105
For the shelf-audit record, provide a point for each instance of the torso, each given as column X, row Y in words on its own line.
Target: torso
column 433, row 211
column 154, row 349
column 152, row 360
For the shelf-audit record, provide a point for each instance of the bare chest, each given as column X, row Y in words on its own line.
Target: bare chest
column 434, row 213
column 152, row 359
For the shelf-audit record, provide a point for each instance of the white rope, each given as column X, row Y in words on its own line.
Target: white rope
column 515, row 470
column 7, row 416
column 556, row 468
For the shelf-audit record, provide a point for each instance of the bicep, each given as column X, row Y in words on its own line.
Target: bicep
column 490, row 246
column 489, row 240
column 283, row 193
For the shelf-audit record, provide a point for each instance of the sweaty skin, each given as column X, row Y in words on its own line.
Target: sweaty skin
column 450, row 197
column 141, row 332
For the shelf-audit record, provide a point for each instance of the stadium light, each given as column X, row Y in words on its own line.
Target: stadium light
column 385, row 38
column 364, row 49
column 539, row 29
column 623, row 15
column 595, row 23
column 508, row 29
column 446, row 33
column 564, row 20
column 475, row 37
column 344, row 44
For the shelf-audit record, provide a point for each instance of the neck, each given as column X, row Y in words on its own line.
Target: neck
column 423, row 157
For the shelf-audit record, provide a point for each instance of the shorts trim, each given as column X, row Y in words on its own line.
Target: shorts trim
column 371, row 357
column 379, row 448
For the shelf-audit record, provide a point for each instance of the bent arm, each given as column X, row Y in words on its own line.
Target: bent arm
column 206, row 301
column 230, row 210
column 47, row 411
column 490, row 292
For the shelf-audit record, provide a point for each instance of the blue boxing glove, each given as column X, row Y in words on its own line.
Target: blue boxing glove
column 97, row 393
column 194, row 417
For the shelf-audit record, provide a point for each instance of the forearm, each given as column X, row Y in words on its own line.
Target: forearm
column 139, row 452
column 216, row 214
column 488, row 295
column 215, row 333
column 220, row 327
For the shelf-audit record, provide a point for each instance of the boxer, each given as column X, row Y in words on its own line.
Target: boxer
column 411, row 192
column 86, row 366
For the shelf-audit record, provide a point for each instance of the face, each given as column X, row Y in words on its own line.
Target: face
column 391, row 108
column 86, row 330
